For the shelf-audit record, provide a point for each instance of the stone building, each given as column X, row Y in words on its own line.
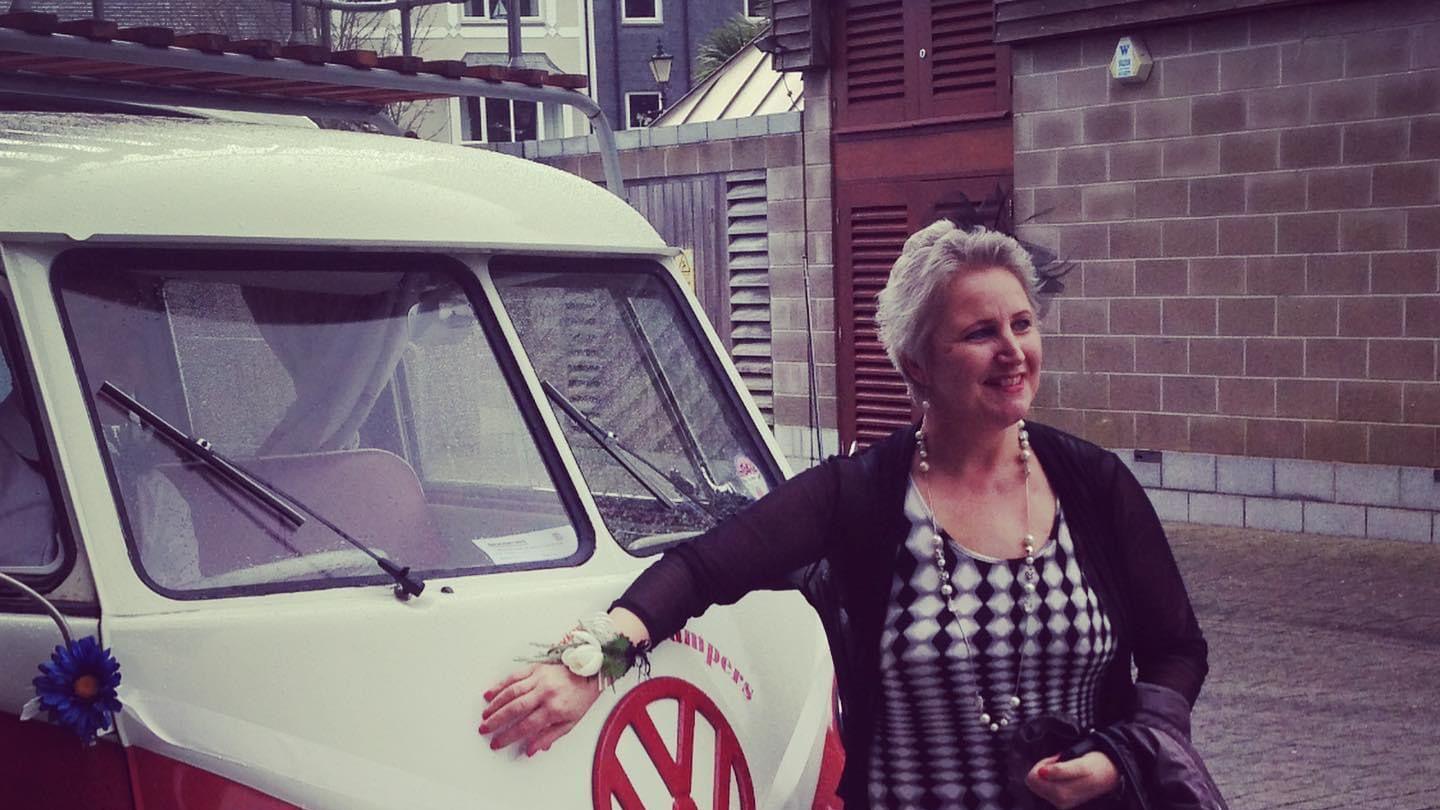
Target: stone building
column 1255, row 227
column 1253, row 320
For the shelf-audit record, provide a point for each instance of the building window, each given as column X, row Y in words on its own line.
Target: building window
column 498, row 120
column 496, row 9
column 640, row 11
column 641, row 109
column 757, row 9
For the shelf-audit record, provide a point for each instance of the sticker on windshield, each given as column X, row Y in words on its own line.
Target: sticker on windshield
column 750, row 476
column 545, row 544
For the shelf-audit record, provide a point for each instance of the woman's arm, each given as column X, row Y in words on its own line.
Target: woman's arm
column 1169, row 648
column 755, row 549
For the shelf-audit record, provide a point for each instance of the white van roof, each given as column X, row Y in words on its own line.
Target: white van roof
column 114, row 177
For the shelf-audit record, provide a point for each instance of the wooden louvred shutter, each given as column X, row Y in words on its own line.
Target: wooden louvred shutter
column 918, row 60
column 965, row 71
column 871, row 52
column 749, row 251
column 875, row 219
column 873, row 236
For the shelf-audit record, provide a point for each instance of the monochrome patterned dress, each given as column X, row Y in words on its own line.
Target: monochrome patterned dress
column 930, row 750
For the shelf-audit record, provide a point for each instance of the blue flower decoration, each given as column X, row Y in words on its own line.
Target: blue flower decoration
column 77, row 687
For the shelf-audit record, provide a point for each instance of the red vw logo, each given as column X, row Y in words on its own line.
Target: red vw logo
column 674, row 763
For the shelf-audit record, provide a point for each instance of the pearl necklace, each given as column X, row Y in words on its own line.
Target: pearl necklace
column 998, row 713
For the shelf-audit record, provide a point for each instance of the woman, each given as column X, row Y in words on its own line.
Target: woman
column 982, row 571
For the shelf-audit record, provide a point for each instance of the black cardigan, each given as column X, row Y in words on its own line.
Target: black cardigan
column 833, row 532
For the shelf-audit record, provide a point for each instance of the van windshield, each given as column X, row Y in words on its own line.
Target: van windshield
column 367, row 387
column 657, row 432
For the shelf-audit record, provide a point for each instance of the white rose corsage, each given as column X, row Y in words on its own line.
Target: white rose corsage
column 595, row 649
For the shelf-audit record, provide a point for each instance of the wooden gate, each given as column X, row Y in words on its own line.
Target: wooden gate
column 687, row 212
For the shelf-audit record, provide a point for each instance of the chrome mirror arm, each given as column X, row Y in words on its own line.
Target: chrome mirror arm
column 49, row 606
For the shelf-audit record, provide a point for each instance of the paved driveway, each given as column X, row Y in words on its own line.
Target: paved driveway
column 1324, row 688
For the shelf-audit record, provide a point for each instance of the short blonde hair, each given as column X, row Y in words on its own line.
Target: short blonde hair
column 909, row 305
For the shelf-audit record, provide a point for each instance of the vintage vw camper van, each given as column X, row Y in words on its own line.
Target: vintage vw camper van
column 317, row 432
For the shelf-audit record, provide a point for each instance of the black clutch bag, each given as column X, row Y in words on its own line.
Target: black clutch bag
column 1036, row 739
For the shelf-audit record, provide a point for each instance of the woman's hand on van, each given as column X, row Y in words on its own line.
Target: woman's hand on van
column 539, row 704
column 536, row 706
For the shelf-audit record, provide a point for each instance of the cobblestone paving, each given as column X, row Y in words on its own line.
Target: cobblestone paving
column 1324, row 687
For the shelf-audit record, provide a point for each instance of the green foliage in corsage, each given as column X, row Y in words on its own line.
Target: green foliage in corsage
column 595, row 649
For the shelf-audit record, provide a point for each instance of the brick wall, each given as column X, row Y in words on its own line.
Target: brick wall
column 1256, row 229
column 793, row 149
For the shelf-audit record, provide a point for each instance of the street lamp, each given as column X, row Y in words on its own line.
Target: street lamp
column 660, row 68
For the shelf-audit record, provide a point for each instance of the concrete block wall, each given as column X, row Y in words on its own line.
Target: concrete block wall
column 1381, row 502
column 1256, row 229
column 794, row 150
column 803, row 259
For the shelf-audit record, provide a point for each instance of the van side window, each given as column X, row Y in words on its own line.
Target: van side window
column 620, row 357
column 29, row 523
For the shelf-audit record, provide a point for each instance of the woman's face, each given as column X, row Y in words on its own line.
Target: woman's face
column 984, row 355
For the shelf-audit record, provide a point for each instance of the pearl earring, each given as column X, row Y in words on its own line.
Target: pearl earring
column 920, row 437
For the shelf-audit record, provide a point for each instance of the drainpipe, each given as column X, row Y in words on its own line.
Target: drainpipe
column 615, row 58
column 512, row 34
column 297, row 21
column 406, row 47
column 685, row 47
column 588, row 7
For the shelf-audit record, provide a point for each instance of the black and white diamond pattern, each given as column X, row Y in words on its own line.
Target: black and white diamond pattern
column 931, row 751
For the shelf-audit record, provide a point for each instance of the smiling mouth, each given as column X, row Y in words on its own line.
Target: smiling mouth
column 1006, row 382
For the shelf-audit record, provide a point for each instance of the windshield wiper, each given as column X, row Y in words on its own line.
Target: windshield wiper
column 668, row 400
column 614, row 447
column 266, row 493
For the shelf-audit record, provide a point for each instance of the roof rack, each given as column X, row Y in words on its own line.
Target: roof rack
column 98, row 60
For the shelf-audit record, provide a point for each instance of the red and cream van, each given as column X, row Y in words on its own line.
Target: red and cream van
column 318, row 432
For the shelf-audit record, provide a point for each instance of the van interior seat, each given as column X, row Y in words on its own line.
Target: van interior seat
column 374, row 495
